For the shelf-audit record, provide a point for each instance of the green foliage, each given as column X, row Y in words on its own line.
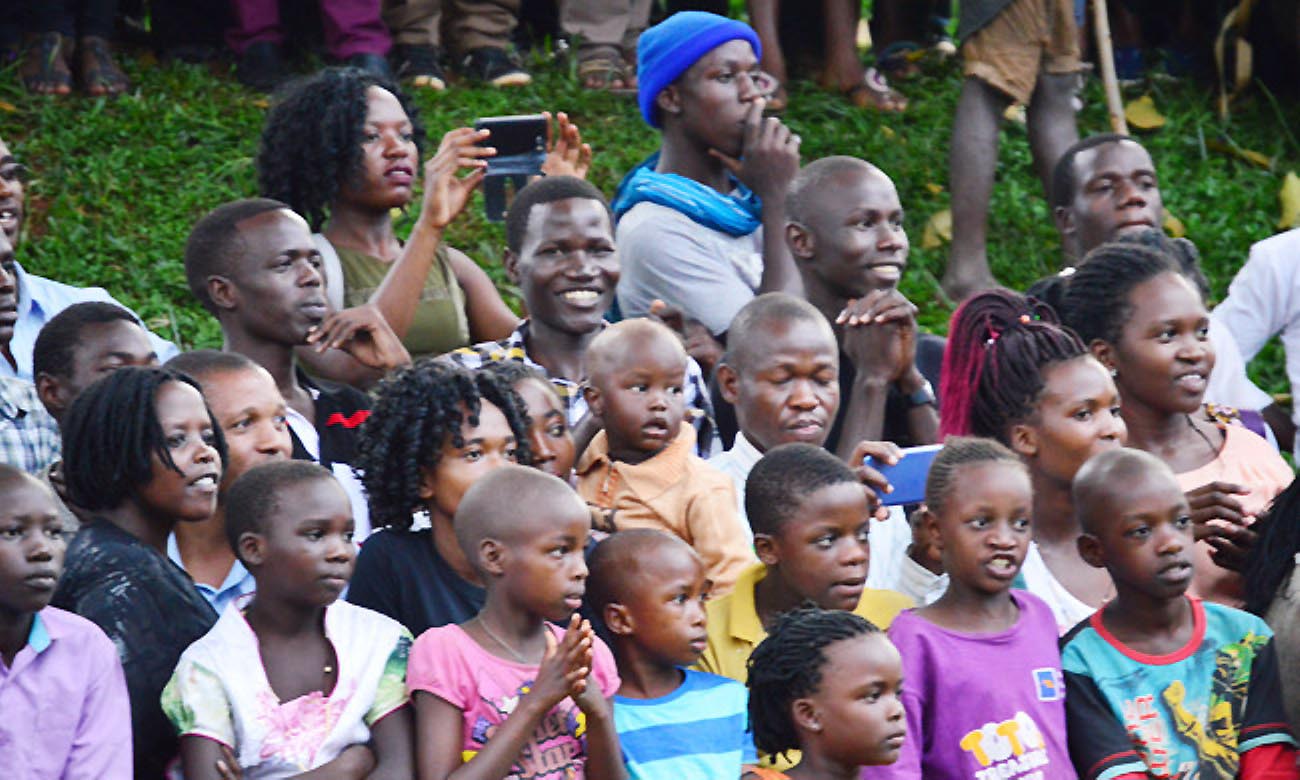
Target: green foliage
column 117, row 183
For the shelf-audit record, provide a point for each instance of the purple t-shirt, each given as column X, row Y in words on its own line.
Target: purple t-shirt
column 982, row 706
column 448, row 663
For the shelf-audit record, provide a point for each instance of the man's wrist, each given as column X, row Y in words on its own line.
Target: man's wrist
column 911, row 381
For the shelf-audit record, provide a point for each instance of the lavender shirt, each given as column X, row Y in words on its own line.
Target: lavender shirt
column 982, row 706
column 64, row 703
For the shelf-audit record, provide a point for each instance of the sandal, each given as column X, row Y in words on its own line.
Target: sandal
column 602, row 67
column 98, row 73
column 899, row 60
column 45, row 67
column 874, row 92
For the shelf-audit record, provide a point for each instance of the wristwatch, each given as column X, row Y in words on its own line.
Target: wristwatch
column 922, row 396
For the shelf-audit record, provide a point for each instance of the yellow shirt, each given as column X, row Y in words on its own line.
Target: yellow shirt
column 735, row 630
column 673, row 491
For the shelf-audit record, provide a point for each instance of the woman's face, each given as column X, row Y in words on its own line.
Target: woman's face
column 1164, row 356
column 1077, row 416
column 390, row 161
column 548, row 430
column 190, row 494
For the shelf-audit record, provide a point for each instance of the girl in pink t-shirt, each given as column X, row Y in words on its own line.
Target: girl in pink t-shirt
column 506, row 694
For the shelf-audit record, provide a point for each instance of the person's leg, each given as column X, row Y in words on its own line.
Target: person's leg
column 413, row 22
column 254, row 21
column 480, row 31
column 48, row 26
column 1050, row 113
column 764, row 17
column 98, row 73
column 973, row 159
column 353, row 28
column 597, row 27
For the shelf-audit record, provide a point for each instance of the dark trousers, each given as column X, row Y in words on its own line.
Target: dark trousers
column 350, row 26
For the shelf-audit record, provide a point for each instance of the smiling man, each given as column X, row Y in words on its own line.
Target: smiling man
column 252, row 263
column 561, row 253
column 28, row 301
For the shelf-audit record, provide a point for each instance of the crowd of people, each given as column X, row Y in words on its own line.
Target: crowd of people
column 392, row 530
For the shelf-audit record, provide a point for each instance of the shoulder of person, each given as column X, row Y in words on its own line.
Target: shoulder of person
column 881, row 606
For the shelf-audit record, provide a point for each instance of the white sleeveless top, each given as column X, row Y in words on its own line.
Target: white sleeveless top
column 1067, row 609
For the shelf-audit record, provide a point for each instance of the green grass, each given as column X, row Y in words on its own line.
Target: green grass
column 118, row 183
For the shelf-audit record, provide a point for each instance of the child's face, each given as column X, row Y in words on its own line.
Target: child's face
column 1077, row 416
column 191, row 494
column 641, row 400
column 666, row 612
column 788, row 390
column 487, row 446
column 545, row 570
column 983, row 528
column 858, row 704
column 99, row 351
column 251, row 413
column 305, row 553
column 821, row 552
column 31, row 546
column 857, row 231
column 548, row 429
column 390, row 161
column 279, row 284
column 1164, row 356
column 1142, row 534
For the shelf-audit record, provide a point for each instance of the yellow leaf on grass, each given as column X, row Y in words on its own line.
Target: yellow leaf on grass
column 8, row 107
column 887, row 131
column 1015, row 113
column 938, row 230
column 1142, row 114
column 1290, row 198
column 1250, row 156
column 262, row 103
column 934, row 189
column 1173, row 225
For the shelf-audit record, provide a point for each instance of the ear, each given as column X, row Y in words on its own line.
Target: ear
column 595, row 402
column 618, row 620
column 1024, row 440
column 223, row 292
column 427, row 479
column 252, row 548
column 765, row 548
column 1090, row 551
column 492, row 556
column 668, row 101
column 805, row 715
column 51, row 392
column 728, row 383
column 1064, row 219
column 800, row 240
column 511, row 263
column 1105, row 354
column 930, row 530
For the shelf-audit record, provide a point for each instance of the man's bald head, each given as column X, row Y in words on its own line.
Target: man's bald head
column 820, row 179
column 749, row 331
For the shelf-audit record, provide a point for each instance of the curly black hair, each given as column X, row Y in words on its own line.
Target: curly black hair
column 787, row 665
column 416, row 411
column 312, row 138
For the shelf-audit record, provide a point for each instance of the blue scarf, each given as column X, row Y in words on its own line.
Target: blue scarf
column 737, row 215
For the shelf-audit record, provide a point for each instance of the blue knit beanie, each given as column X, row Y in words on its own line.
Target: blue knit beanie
column 671, row 47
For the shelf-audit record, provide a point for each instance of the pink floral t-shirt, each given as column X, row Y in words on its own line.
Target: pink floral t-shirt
column 448, row 663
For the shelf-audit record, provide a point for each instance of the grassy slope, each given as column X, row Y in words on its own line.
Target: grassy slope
column 118, row 183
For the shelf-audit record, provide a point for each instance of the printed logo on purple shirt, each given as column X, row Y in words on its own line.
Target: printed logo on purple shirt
column 1049, row 684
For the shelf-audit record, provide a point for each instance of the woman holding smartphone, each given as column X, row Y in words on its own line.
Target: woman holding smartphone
column 343, row 148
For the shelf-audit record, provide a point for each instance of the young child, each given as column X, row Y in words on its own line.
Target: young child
column 1159, row 683
column 549, row 437
column 641, row 468
column 649, row 589
column 810, row 515
column 827, row 684
column 506, row 694
column 291, row 679
column 64, row 699
column 435, row 430
column 981, row 643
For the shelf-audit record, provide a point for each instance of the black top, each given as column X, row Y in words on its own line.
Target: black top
column 340, row 410
column 400, row 574
column 151, row 610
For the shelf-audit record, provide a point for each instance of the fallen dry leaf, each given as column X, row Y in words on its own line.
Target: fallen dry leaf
column 1173, row 225
column 934, row 189
column 1248, row 155
column 938, row 230
column 1142, row 114
column 8, row 107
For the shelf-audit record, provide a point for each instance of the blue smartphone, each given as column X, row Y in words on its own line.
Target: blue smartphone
column 907, row 476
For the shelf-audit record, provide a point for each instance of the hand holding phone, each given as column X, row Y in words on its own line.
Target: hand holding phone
column 907, row 476
column 520, row 143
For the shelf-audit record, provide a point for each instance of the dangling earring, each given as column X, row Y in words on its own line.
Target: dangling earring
column 1114, row 373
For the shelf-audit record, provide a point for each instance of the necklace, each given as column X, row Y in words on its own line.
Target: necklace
column 483, row 625
column 1214, row 451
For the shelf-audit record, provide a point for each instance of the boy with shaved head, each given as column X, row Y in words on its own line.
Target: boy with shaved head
column 1159, row 683
column 641, row 469
column 649, row 590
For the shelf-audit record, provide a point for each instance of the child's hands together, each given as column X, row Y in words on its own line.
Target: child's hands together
column 565, row 666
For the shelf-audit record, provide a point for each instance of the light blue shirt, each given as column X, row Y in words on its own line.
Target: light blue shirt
column 237, row 583
column 39, row 299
